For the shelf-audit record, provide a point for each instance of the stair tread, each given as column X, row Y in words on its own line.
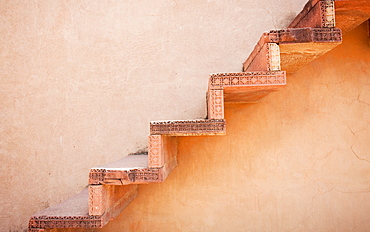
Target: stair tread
column 76, row 205
column 132, row 169
column 129, row 162
column 71, row 213
column 74, row 212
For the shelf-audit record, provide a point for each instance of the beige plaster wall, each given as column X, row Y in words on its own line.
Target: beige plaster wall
column 299, row 160
column 80, row 81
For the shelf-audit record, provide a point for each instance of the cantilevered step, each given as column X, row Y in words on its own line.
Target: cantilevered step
column 74, row 212
column 132, row 169
column 199, row 127
column 245, row 87
column 290, row 49
column 343, row 14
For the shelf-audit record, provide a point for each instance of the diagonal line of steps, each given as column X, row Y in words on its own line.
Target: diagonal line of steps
column 113, row 186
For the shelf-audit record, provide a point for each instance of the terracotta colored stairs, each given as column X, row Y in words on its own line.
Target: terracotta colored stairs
column 113, row 186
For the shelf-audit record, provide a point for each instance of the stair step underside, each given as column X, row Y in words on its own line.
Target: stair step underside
column 132, row 169
column 290, row 49
column 343, row 14
column 74, row 212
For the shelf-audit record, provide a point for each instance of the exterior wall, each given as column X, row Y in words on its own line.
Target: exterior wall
column 80, row 81
column 296, row 161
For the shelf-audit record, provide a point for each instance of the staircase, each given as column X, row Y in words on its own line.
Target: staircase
column 113, row 186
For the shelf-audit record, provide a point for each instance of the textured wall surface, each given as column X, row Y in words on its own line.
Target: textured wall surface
column 80, row 81
column 298, row 160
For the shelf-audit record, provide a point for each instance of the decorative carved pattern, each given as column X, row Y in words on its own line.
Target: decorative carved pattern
column 303, row 35
column 155, row 151
column 145, row 175
column 124, row 177
column 96, row 176
column 215, row 104
column 97, row 196
column 188, row 127
column 327, row 35
column 221, row 80
column 273, row 57
column 316, row 14
column 327, row 13
column 65, row 222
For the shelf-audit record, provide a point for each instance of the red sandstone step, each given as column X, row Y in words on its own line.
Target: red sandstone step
column 290, row 49
column 316, row 13
column 132, row 169
column 198, row 127
column 74, row 212
column 247, row 86
column 343, row 14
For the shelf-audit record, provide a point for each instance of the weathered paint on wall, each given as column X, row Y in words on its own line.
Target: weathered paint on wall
column 80, row 81
column 296, row 161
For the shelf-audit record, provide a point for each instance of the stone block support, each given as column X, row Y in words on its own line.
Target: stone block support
column 155, row 151
column 215, row 103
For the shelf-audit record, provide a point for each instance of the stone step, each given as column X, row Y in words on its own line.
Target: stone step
column 343, row 14
column 74, row 212
column 290, row 49
column 132, row 169
column 245, row 87
column 104, row 198
column 198, row 127
column 317, row 14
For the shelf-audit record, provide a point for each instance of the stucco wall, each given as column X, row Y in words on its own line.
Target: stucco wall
column 299, row 160
column 80, row 81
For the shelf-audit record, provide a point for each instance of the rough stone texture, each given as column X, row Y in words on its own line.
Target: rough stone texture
column 80, row 80
column 296, row 161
